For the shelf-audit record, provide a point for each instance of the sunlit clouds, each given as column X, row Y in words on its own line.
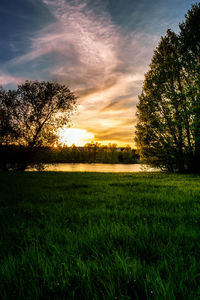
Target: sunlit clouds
column 9, row 79
column 102, row 60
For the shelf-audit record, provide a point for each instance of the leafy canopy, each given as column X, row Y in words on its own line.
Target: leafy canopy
column 168, row 127
column 32, row 113
column 29, row 119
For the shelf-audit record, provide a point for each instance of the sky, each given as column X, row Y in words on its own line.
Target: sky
column 99, row 48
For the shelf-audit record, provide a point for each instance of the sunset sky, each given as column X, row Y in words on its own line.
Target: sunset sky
column 99, row 48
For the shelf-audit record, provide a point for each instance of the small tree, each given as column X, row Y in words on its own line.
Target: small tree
column 33, row 113
column 168, row 127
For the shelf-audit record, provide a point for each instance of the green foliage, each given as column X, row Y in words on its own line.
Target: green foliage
column 99, row 236
column 168, row 128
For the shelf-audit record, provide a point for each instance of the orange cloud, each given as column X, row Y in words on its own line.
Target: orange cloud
column 102, row 63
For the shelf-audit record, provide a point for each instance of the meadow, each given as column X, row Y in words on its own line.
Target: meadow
column 99, row 236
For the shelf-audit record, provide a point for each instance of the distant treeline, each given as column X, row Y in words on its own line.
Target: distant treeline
column 14, row 156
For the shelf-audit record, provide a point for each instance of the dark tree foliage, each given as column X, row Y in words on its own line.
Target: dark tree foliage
column 168, row 127
column 90, row 153
column 7, row 132
column 30, row 116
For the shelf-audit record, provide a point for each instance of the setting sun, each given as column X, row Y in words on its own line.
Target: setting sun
column 76, row 136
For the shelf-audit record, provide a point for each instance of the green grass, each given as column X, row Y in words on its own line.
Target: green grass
column 99, row 236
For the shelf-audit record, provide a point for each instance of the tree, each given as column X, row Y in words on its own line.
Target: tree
column 168, row 127
column 190, row 40
column 128, row 155
column 32, row 114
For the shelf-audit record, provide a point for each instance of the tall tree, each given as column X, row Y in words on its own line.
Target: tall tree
column 168, row 127
column 190, row 41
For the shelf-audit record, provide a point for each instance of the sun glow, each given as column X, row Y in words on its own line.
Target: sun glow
column 76, row 136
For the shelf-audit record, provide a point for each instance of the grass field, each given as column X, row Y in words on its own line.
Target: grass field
column 99, row 236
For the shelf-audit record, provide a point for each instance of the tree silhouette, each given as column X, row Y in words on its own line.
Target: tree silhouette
column 31, row 115
column 168, row 127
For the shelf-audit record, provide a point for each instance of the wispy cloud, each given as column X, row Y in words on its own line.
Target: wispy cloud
column 6, row 79
column 99, row 60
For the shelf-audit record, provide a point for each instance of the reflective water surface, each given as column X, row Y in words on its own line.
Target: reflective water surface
column 78, row 167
